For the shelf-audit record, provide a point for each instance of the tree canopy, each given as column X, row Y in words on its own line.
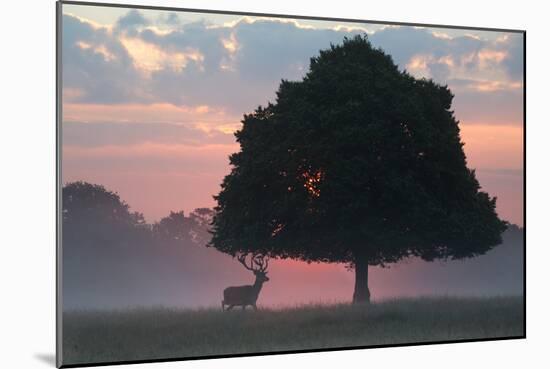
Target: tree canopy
column 95, row 216
column 357, row 163
column 98, row 218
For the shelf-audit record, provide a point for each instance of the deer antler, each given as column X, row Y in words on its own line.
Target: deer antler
column 242, row 259
column 258, row 263
column 261, row 261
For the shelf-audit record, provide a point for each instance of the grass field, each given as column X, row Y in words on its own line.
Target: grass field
column 161, row 333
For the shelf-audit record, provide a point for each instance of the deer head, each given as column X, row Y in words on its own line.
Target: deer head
column 257, row 265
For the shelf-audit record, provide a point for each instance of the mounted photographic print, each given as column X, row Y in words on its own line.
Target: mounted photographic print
column 244, row 184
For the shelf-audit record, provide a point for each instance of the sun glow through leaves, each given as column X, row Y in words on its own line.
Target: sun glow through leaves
column 312, row 182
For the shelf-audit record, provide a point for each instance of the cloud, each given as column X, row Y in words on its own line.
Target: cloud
column 271, row 50
column 147, row 113
column 513, row 44
column 239, row 66
column 452, row 57
column 485, row 85
column 126, row 134
column 130, row 22
column 169, row 19
column 96, row 66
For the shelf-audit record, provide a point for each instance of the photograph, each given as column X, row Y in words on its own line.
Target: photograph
column 234, row 184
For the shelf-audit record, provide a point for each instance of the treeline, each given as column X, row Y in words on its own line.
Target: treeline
column 96, row 217
column 113, row 257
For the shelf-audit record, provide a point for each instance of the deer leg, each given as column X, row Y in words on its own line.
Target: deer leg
column 230, row 307
column 244, row 307
column 223, row 306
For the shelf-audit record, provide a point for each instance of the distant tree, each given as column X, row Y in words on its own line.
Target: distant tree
column 357, row 163
column 96, row 217
column 202, row 217
column 201, row 222
column 174, row 228
column 177, row 228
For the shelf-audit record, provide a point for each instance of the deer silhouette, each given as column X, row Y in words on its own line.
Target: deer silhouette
column 247, row 295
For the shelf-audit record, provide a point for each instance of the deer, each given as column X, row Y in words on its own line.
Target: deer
column 247, row 295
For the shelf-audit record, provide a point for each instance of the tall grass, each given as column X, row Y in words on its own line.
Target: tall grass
column 160, row 333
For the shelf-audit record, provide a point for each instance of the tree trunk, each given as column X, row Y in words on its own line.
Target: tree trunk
column 361, row 294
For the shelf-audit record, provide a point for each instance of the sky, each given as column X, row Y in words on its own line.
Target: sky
column 151, row 99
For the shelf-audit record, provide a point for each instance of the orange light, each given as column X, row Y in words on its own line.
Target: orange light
column 312, row 182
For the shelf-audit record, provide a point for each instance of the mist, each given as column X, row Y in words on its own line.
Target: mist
column 117, row 262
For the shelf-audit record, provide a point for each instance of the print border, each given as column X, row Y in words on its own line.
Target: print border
column 59, row 115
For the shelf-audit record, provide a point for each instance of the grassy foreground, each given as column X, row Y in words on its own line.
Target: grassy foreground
column 161, row 333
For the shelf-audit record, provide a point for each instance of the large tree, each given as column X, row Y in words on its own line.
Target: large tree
column 357, row 163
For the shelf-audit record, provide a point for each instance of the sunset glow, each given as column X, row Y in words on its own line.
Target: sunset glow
column 184, row 125
column 166, row 97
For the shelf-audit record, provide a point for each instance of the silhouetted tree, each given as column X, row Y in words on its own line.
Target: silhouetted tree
column 96, row 217
column 201, row 219
column 112, row 257
column 177, row 228
column 173, row 228
column 357, row 163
